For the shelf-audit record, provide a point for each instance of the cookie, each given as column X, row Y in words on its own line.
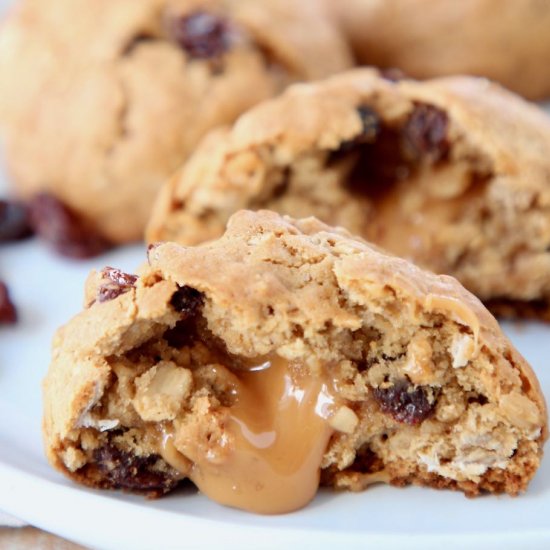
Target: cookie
column 505, row 40
column 453, row 174
column 100, row 100
column 283, row 354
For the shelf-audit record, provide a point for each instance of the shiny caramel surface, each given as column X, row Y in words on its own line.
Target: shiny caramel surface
column 277, row 433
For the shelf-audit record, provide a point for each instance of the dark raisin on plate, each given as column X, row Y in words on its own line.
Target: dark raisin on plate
column 63, row 229
column 8, row 313
column 201, row 34
column 116, row 282
column 405, row 402
column 14, row 221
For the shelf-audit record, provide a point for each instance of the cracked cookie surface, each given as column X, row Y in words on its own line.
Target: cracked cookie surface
column 453, row 174
column 102, row 99
column 413, row 380
column 505, row 40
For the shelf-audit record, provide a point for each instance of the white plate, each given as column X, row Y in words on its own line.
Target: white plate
column 48, row 291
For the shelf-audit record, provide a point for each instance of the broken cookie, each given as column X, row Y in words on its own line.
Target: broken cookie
column 285, row 354
column 452, row 174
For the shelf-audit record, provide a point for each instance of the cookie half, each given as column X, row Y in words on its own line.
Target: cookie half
column 284, row 354
column 453, row 174
column 101, row 100
column 505, row 40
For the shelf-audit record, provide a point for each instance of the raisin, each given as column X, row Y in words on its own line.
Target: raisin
column 14, row 221
column 116, row 283
column 393, row 74
column 370, row 130
column 405, row 402
column 187, row 300
column 8, row 313
column 60, row 227
column 379, row 165
column 370, row 122
column 123, row 470
column 367, row 461
column 202, row 35
column 184, row 333
column 480, row 399
column 425, row 133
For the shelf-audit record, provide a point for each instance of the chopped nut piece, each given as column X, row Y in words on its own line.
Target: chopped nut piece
column 521, row 412
column 161, row 391
column 419, row 366
column 344, row 420
column 462, row 350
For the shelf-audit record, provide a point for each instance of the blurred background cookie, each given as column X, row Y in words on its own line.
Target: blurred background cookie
column 505, row 40
column 451, row 173
column 101, row 99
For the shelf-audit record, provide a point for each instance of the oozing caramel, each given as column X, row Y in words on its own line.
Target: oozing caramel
column 277, row 431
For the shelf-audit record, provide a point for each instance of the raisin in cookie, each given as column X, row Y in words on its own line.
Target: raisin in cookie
column 100, row 100
column 453, row 174
column 285, row 353
column 506, row 40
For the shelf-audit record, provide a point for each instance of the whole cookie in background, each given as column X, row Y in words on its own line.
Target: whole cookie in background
column 452, row 173
column 505, row 40
column 100, row 100
column 284, row 354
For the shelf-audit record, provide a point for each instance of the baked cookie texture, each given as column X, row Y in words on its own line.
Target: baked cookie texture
column 424, row 388
column 451, row 173
column 504, row 40
column 100, row 100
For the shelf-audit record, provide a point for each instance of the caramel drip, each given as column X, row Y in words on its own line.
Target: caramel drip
column 278, row 431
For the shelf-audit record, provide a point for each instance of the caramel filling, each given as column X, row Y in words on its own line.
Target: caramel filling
column 411, row 217
column 277, row 432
